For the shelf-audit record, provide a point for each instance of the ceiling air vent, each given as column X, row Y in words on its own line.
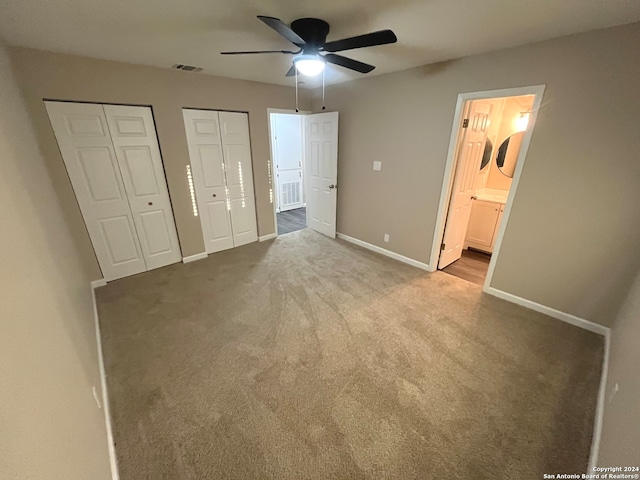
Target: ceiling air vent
column 187, row 68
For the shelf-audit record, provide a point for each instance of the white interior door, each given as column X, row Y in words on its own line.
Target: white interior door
column 288, row 153
column 234, row 129
column 134, row 137
column 469, row 157
column 208, row 173
column 87, row 151
column 321, row 171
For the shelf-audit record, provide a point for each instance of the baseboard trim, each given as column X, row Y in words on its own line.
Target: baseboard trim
column 103, row 386
column 98, row 283
column 602, row 395
column 193, row 258
column 382, row 251
column 552, row 312
column 264, row 238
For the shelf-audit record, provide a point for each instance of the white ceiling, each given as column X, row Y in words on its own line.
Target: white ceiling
column 166, row 32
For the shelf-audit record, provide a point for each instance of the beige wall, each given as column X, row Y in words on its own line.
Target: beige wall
column 571, row 242
column 620, row 442
column 50, row 425
column 65, row 77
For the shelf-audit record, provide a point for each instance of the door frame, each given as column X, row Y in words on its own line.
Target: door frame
column 447, row 184
column 272, row 169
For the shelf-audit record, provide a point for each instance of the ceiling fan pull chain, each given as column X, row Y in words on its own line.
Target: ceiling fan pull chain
column 323, row 88
column 297, row 109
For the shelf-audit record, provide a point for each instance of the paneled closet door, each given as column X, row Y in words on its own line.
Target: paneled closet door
column 136, row 145
column 208, row 173
column 234, row 128
column 87, row 151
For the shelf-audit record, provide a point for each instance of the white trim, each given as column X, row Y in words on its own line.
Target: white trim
column 103, row 386
column 552, row 312
column 264, row 238
column 287, row 111
column 447, row 183
column 387, row 253
column 597, row 424
column 98, row 283
column 193, row 258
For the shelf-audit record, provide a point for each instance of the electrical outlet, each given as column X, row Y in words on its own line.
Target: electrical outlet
column 377, row 165
column 386, row 237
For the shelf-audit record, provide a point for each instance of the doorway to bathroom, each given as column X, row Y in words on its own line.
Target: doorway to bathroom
column 487, row 150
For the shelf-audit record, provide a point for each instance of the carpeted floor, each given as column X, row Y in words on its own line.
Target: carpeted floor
column 310, row 358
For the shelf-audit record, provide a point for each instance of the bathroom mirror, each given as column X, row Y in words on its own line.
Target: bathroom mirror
column 486, row 157
column 508, row 154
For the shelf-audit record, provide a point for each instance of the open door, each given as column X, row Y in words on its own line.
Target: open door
column 321, row 171
column 470, row 154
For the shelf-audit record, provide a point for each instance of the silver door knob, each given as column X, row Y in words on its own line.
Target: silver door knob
column 333, row 186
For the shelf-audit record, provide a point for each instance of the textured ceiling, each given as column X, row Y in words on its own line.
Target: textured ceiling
column 166, row 32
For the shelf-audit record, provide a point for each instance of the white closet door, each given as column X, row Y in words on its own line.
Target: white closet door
column 136, row 145
column 87, row 151
column 234, row 128
column 207, row 170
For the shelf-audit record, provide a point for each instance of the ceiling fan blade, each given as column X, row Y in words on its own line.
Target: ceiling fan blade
column 291, row 72
column 382, row 37
column 253, row 52
column 348, row 63
column 283, row 29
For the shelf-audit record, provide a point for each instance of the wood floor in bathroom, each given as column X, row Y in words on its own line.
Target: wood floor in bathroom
column 472, row 266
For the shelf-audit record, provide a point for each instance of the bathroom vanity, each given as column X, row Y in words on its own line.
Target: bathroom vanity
column 487, row 208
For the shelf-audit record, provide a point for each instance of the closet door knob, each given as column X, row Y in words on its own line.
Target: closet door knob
column 214, row 195
column 150, row 203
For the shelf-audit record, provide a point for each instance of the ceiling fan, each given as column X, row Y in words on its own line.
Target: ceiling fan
column 310, row 35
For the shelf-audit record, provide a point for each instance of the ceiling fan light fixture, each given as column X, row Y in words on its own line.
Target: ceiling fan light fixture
column 309, row 65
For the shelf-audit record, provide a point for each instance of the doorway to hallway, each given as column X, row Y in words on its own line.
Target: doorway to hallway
column 304, row 166
column 292, row 220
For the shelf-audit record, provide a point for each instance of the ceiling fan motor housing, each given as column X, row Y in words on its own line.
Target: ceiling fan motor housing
column 312, row 30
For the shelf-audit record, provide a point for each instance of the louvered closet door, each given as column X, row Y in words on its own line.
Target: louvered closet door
column 87, row 151
column 207, row 170
column 136, row 145
column 234, row 128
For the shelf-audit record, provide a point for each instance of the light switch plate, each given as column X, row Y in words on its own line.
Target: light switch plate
column 377, row 165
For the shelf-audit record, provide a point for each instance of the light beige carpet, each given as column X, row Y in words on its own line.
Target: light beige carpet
column 309, row 358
